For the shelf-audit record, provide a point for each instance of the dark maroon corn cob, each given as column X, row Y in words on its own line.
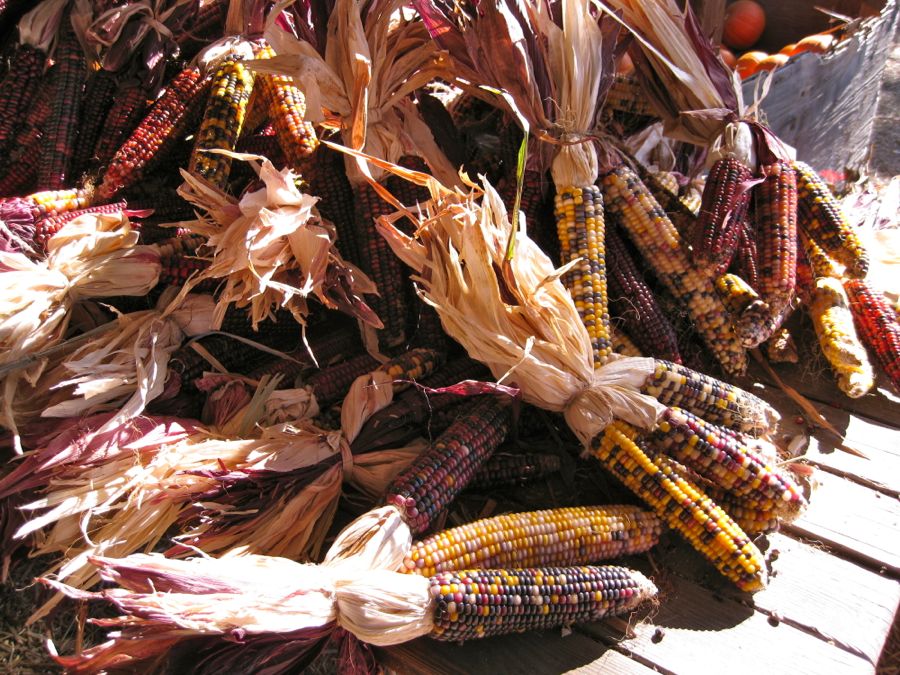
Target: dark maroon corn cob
column 157, row 133
column 99, row 93
column 327, row 179
column 17, row 91
column 47, row 227
column 877, row 324
column 55, row 168
column 744, row 263
column 126, row 111
column 631, row 300
column 24, row 151
column 724, row 199
column 331, row 384
column 440, row 473
column 206, row 26
column 265, row 145
column 508, row 468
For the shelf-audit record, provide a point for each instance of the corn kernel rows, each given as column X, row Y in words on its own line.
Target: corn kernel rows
column 513, row 469
column 480, row 603
column 127, row 109
column 651, row 230
column 821, row 264
column 715, row 401
column 722, row 458
column 665, row 192
column 681, row 505
column 752, row 518
column 753, row 318
column 723, row 206
column 330, row 384
column 18, row 89
column 47, row 227
column 830, row 312
column 576, row 535
column 878, row 325
column 745, row 258
column 412, row 365
column 822, row 218
column 580, row 228
column 437, row 476
column 624, row 345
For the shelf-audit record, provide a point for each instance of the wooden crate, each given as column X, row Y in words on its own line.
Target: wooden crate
column 824, row 104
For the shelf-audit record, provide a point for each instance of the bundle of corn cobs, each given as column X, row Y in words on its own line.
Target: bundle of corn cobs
column 262, row 260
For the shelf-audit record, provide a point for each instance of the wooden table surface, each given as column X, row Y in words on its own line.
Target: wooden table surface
column 833, row 592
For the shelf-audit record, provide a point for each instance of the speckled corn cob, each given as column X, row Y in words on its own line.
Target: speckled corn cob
column 47, row 227
column 634, row 303
column 744, row 263
column 661, row 246
column 723, row 206
column 580, row 227
column 775, row 211
column 713, row 400
column 577, row 535
column 156, row 134
column 330, row 344
column 681, row 505
column 327, row 179
column 721, row 457
column 823, row 219
column 99, row 93
column 23, row 151
column 877, row 324
column 751, row 518
column 21, row 214
column 508, row 468
column 666, row 194
column 222, row 121
column 17, row 91
column 126, row 111
column 437, row 476
column 286, row 106
column 622, row 344
column 751, row 316
column 331, row 384
column 830, row 312
column 480, row 603
column 411, row 366
column 821, row 264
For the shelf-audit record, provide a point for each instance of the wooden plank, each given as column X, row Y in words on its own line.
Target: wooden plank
column 880, row 469
column 536, row 652
column 859, row 523
column 613, row 663
column 694, row 631
column 809, row 589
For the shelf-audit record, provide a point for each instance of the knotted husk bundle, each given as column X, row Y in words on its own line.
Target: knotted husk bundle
column 94, row 256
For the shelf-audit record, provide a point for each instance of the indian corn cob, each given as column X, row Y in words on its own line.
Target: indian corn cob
column 684, row 220
column 681, row 505
column 437, row 476
column 127, row 110
column 632, row 300
column 330, row 384
column 622, row 344
column 581, row 232
column 574, row 535
column 877, row 324
column 829, row 309
column 751, row 316
column 658, row 241
column 744, row 263
column 480, row 603
column 99, row 94
column 24, row 150
column 327, row 179
column 823, row 219
column 820, row 263
column 156, row 134
column 507, row 468
column 723, row 206
column 47, row 227
column 18, row 89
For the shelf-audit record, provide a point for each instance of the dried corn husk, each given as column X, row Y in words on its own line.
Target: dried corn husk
column 94, row 256
column 273, row 249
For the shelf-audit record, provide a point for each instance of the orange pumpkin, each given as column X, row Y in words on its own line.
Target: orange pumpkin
column 745, row 21
column 749, row 62
column 728, row 57
column 819, row 43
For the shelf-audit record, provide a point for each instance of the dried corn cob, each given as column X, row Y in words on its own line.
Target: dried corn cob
column 723, row 206
column 721, row 457
column 433, row 480
column 626, row 106
column 47, row 227
column 781, row 348
column 481, row 603
column 622, row 344
column 830, row 312
column 776, row 237
column 223, row 120
column 745, row 265
column 821, row 217
column 18, row 89
column 286, row 106
column 752, row 318
column 206, row 25
column 820, row 263
column 260, row 144
column 580, row 228
column 684, row 220
column 156, row 134
column 681, row 505
column 655, row 236
column 99, row 93
column 735, row 293
column 331, row 384
column 55, row 168
column 24, row 150
column 514, row 469
column 21, row 214
column 633, row 301
column 575, row 535
column 877, row 324
column 751, row 519
column 126, row 111
column 715, row 401
column 327, row 179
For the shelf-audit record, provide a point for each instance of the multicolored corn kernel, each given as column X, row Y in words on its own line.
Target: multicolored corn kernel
column 832, row 318
column 286, row 106
column 821, row 264
column 127, row 110
column 514, row 468
column 719, row 456
column 624, row 345
column 633, row 302
column 664, row 188
column 775, row 212
column 99, row 94
column 744, row 263
column 726, row 197
column 580, row 227
column 440, row 473
column 480, row 603
column 327, row 178
column 877, row 324
column 681, row 505
column 822, row 218
column 752, row 518
column 645, row 222
column 223, row 120
column 47, row 227
column 17, row 91
column 711, row 399
column 752, row 318
column 577, row 535
column 331, row 384
column 781, row 348
column 411, row 366
column 156, row 134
